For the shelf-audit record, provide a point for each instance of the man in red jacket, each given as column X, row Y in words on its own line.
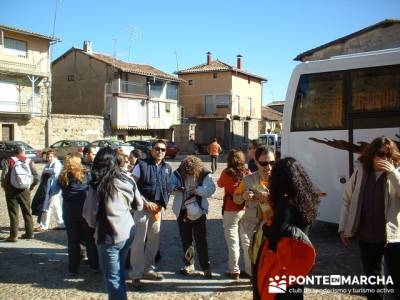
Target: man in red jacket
column 16, row 196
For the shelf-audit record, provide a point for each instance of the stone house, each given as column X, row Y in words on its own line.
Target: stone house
column 223, row 101
column 271, row 120
column 24, row 86
column 133, row 100
column 382, row 35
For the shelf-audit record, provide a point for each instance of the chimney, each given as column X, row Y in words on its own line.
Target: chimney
column 239, row 61
column 208, row 57
column 87, row 46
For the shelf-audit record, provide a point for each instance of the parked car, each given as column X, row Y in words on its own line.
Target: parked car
column 64, row 147
column 144, row 146
column 124, row 147
column 172, row 149
column 9, row 149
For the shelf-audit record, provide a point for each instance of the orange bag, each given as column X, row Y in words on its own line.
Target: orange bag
column 293, row 257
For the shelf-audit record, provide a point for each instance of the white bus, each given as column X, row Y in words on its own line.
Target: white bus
column 334, row 108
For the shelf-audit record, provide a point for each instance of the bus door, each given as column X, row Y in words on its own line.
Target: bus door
column 375, row 107
column 364, row 127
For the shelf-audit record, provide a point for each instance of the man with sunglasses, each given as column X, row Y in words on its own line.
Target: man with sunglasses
column 253, row 191
column 152, row 176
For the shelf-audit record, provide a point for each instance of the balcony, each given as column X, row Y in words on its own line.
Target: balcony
column 130, row 88
column 26, row 106
column 21, row 68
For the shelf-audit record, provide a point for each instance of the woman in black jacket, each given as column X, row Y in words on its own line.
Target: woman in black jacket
column 74, row 180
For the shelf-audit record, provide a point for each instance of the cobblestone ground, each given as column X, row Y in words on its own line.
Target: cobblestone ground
column 37, row 269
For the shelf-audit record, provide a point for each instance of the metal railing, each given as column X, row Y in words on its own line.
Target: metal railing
column 131, row 87
column 21, row 68
column 26, row 106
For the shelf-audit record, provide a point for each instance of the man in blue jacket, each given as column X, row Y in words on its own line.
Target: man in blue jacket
column 152, row 176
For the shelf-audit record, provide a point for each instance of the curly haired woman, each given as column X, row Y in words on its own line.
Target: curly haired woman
column 192, row 184
column 371, row 210
column 294, row 201
column 232, row 213
column 74, row 181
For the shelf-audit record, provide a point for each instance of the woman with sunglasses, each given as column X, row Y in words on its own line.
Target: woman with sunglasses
column 253, row 192
column 371, row 211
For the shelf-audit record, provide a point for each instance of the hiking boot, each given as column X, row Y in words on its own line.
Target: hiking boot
column 11, row 239
column 27, row 236
column 136, row 284
column 187, row 270
column 232, row 275
column 152, row 275
column 207, row 274
column 39, row 229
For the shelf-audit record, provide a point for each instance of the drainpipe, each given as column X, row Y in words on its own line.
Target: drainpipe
column 148, row 106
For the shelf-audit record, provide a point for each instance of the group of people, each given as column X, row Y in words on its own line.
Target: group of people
column 112, row 205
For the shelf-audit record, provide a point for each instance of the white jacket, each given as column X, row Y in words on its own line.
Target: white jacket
column 351, row 205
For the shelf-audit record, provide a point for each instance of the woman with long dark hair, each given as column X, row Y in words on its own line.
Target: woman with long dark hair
column 371, row 211
column 232, row 213
column 294, row 201
column 115, row 227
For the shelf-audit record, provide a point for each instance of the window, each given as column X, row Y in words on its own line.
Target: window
column 156, row 89
column 248, row 107
column 155, row 109
column 168, row 107
column 223, row 101
column 15, row 47
column 209, row 105
column 190, row 82
column 172, row 91
column 319, row 102
column 215, row 75
column 376, row 89
column 70, row 77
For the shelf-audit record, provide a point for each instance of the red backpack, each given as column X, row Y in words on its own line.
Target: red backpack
column 294, row 257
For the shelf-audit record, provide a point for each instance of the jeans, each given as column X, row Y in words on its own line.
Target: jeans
column 145, row 245
column 112, row 259
column 214, row 163
column 231, row 220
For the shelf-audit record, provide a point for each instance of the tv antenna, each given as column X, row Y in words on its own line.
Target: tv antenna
column 134, row 32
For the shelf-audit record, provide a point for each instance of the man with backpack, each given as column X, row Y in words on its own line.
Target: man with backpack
column 18, row 179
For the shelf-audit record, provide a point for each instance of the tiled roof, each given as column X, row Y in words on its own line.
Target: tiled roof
column 145, row 70
column 13, row 29
column 216, row 65
column 383, row 23
column 270, row 114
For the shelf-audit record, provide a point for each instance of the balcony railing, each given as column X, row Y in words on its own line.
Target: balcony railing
column 130, row 87
column 26, row 106
column 21, row 68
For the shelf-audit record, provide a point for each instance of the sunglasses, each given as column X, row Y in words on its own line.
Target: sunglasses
column 160, row 149
column 267, row 163
column 381, row 154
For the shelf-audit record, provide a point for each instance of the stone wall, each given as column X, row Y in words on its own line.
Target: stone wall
column 65, row 126
column 30, row 130
column 184, row 134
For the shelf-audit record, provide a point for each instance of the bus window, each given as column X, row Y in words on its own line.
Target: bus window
column 376, row 89
column 319, row 102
